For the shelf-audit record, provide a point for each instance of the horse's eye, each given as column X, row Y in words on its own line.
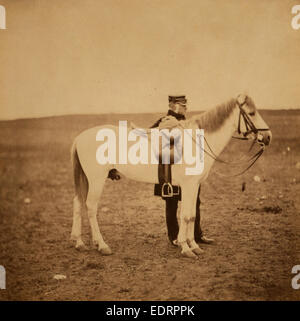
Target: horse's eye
column 252, row 113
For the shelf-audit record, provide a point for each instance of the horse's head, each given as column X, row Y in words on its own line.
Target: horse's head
column 250, row 123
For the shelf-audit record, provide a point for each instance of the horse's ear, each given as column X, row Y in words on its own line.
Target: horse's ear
column 241, row 99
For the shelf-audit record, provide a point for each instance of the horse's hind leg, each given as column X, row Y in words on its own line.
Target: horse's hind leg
column 76, row 227
column 95, row 190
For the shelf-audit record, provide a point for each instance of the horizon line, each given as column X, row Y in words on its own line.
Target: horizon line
column 127, row 113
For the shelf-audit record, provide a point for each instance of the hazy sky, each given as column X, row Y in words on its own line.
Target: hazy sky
column 98, row 56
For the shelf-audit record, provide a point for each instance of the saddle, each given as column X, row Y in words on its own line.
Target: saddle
column 164, row 188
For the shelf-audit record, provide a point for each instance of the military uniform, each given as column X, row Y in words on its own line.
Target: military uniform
column 172, row 202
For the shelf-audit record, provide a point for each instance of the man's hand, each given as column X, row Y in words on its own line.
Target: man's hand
column 168, row 122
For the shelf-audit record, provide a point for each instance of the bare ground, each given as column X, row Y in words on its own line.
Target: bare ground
column 257, row 231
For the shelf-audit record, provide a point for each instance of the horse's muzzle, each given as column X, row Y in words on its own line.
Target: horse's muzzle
column 264, row 137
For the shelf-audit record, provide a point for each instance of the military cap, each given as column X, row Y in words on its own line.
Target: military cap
column 177, row 99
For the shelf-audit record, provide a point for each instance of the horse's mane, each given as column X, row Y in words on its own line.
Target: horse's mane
column 213, row 119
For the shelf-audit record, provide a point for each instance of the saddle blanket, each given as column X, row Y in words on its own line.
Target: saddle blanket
column 166, row 146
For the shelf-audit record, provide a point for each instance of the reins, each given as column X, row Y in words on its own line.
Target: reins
column 255, row 157
column 250, row 128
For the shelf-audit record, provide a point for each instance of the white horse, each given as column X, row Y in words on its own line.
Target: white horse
column 219, row 124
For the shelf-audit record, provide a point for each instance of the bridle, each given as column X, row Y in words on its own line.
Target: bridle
column 250, row 128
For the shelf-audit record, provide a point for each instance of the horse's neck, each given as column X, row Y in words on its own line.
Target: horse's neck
column 219, row 139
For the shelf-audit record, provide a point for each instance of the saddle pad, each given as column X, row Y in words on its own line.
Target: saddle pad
column 167, row 144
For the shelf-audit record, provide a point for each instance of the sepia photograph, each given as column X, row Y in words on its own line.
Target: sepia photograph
column 149, row 151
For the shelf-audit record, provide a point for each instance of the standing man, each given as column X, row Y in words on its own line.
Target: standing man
column 177, row 111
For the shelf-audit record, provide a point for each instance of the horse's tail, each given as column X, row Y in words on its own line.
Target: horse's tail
column 80, row 180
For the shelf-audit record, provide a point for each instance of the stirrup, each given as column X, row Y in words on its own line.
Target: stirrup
column 169, row 190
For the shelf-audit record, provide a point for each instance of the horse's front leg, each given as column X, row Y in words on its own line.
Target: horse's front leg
column 191, row 229
column 187, row 218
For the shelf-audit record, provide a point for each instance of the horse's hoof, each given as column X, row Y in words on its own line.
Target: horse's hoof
column 81, row 247
column 198, row 251
column 189, row 254
column 105, row 250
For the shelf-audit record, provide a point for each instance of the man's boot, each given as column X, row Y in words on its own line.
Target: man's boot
column 171, row 219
